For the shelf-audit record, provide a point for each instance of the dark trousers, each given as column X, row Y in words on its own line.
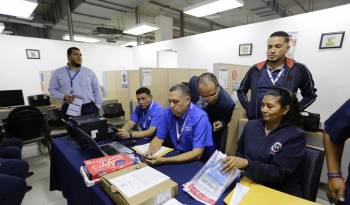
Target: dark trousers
column 12, row 190
column 220, row 138
column 14, row 167
column 86, row 109
column 11, row 148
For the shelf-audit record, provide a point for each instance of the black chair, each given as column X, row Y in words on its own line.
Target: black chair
column 113, row 110
column 311, row 168
column 28, row 124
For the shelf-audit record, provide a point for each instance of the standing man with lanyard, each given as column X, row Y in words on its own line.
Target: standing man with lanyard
column 75, row 81
column 336, row 133
column 147, row 114
column 277, row 70
column 186, row 125
column 216, row 102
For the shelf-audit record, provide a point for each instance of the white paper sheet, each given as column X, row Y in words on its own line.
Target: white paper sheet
column 146, row 77
column 74, row 108
column 172, row 201
column 223, row 77
column 239, row 192
column 138, row 181
column 142, row 149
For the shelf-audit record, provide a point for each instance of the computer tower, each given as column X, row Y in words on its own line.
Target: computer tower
column 93, row 125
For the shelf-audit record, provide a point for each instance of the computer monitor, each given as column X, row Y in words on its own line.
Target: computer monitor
column 39, row 100
column 84, row 140
column 11, row 98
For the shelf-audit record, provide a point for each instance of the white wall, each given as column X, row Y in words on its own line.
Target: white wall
column 18, row 72
column 330, row 68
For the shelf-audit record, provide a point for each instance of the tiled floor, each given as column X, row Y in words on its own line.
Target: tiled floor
column 40, row 194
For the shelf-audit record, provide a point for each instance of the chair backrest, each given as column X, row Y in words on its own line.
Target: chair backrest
column 113, row 110
column 26, row 123
column 311, row 168
column 54, row 117
column 39, row 100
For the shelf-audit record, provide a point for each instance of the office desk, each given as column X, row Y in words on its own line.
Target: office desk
column 66, row 159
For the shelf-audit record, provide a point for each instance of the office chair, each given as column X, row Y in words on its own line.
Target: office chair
column 113, row 110
column 311, row 168
column 28, row 124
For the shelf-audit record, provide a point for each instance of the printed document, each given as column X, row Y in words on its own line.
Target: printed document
column 74, row 108
column 142, row 149
column 138, row 181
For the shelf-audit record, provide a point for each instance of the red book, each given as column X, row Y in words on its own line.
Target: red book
column 100, row 166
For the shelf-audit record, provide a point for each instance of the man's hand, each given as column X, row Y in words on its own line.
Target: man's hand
column 336, row 189
column 232, row 162
column 217, row 125
column 69, row 98
column 121, row 133
column 154, row 160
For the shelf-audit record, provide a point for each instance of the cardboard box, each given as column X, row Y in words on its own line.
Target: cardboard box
column 155, row 195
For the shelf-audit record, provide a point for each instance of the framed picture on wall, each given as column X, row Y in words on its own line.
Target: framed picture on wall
column 245, row 49
column 332, row 40
column 33, row 54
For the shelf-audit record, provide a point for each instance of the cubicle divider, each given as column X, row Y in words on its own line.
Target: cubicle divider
column 160, row 80
column 230, row 77
column 121, row 85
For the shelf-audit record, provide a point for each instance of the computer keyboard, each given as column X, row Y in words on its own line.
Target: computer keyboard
column 108, row 149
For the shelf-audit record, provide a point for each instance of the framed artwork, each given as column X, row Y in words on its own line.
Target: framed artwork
column 332, row 40
column 245, row 49
column 33, row 54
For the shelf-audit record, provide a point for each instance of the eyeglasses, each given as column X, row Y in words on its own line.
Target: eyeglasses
column 210, row 96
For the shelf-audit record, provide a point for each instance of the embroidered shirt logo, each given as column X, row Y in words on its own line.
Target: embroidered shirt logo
column 276, row 148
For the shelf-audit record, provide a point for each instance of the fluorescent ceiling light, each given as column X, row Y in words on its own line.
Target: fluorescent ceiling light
column 81, row 38
column 19, row 8
column 209, row 7
column 130, row 43
column 2, row 27
column 141, row 28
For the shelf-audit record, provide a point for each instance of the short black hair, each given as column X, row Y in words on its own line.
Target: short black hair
column 182, row 88
column 70, row 50
column 143, row 90
column 281, row 34
column 204, row 78
column 287, row 98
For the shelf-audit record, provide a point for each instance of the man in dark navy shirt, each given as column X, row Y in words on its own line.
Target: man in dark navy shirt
column 337, row 131
column 277, row 70
column 211, row 97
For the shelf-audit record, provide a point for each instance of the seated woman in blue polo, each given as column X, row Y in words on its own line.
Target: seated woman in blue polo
column 270, row 149
column 186, row 125
column 147, row 115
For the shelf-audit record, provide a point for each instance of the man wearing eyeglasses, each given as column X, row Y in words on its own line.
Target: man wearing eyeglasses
column 207, row 94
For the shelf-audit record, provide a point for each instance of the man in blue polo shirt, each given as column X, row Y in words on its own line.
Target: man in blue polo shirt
column 337, row 131
column 216, row 102
column 147, row 115
column 186, row 125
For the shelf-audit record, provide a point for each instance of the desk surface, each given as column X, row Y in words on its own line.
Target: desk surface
column 66, row 159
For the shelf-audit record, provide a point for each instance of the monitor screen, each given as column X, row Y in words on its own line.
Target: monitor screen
column 83, row 139
column 11, row 98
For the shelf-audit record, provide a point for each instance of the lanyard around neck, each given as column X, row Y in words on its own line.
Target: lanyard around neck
column 178, row 134
column 72, row 78
column 145, row 118
column 278, row 76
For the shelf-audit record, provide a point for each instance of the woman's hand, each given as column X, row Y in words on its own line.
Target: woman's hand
column 231, row 162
